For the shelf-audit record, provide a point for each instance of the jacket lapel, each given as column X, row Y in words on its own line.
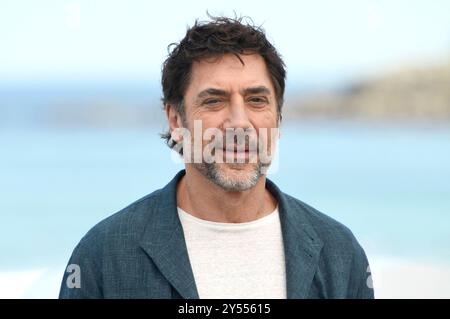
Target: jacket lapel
column 302, row 245
column 163, row 240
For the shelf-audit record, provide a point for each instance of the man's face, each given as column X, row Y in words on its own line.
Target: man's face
column 225, row 94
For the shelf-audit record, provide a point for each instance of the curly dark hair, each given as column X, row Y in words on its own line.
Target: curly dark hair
column 217, row 37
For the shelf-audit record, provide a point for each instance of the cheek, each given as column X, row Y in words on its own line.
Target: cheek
column 209, row 120
column 199, row 123
column 267, row 130
column 266, row 120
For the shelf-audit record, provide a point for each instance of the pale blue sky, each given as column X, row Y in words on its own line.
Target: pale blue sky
column 100, row 39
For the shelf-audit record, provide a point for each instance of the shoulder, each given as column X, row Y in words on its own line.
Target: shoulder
column 337, row 239
column 124, row 226
column 342, row 259
column 327, row 228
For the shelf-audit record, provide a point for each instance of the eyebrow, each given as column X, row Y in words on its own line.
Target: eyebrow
column 247, row 91
column 257, row 90
column 212, row 91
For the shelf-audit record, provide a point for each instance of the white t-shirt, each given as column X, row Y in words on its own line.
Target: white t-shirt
column 236, row 260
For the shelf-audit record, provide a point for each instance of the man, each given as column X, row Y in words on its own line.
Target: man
column 220, row 228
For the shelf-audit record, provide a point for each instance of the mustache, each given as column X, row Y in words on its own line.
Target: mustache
column 242, row 140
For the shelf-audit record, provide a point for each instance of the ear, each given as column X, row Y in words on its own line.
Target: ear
column 174, row 120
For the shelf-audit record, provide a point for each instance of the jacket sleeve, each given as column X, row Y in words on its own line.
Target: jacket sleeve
column 83, row 276
column 362, row 278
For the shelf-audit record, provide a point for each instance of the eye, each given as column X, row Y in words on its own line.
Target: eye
column 211, row 102
column 258, row 100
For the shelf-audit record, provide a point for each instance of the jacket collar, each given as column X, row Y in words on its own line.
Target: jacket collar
column 163, row 240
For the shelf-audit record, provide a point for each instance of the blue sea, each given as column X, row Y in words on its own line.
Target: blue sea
column 390, row 185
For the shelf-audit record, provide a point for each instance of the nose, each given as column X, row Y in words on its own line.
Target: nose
column 237, row 116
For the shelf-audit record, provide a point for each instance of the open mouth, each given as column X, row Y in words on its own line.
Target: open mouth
column 236, row 152
column 235, row 149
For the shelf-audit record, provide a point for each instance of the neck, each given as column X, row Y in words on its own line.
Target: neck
column 200, row 197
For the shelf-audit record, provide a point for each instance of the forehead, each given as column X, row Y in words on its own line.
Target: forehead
column 229, row 73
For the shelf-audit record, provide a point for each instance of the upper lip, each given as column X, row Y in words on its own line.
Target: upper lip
column 235, row 148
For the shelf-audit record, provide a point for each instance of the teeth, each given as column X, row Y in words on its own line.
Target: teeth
column 235, row 149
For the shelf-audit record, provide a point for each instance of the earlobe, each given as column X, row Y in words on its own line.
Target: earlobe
column 177, row 134
column 174, row 135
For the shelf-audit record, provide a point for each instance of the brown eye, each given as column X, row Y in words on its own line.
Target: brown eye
column 211, row 102
column 257, row 100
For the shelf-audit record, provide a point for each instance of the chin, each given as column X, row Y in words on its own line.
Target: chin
column 231, row 176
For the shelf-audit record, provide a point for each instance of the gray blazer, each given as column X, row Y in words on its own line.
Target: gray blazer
column 140, row 252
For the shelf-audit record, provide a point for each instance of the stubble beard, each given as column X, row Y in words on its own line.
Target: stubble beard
column 232, row 177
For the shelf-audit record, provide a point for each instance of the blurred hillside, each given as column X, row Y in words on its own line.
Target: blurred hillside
column 411, row 94
column 408, row 93
column 75, row 105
